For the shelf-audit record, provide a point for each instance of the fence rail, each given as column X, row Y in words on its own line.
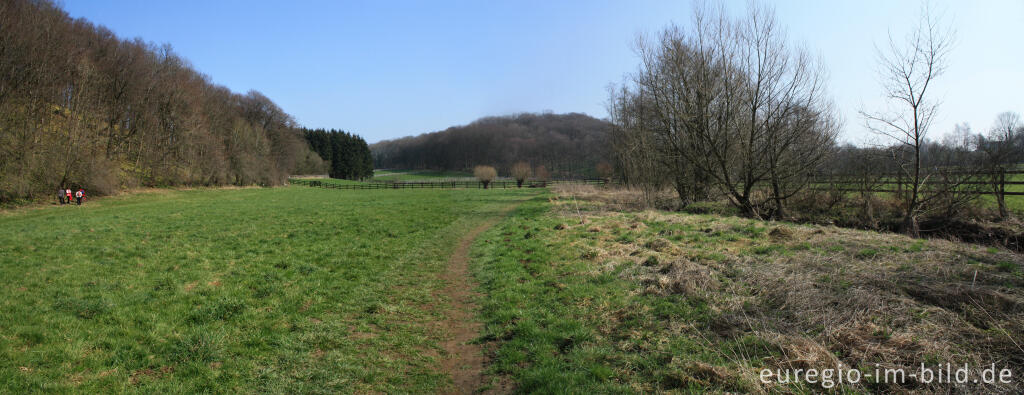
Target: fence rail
column 501, row 184
column 972, row 183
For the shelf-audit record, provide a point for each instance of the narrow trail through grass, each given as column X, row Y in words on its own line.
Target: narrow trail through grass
column 465, row 359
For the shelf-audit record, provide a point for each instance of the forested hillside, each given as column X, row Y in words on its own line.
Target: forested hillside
column 567, row 144
column 80, row 107
column 348, row 154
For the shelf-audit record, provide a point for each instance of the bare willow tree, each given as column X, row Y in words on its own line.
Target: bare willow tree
column 730, row 105
column 521, row 171
column 908, row 70
column 485, row 174
column 788, row 126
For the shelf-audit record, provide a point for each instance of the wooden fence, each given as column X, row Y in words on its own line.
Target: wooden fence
column 975, row 183
column 500, row 184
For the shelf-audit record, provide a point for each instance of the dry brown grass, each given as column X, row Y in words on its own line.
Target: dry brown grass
column 615, row 198
column 818, row 295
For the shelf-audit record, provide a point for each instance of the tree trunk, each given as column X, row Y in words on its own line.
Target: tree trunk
column 746, row 207
column 909, row 226
column 777, row 197
column 682, row 190
column 1000, row 196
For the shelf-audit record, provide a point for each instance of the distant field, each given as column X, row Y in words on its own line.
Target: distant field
column 1014, row 203
column 282, row 290
column 338, row 181
column 411, row 175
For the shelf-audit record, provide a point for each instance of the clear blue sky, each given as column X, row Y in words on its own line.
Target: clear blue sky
column 387, row 69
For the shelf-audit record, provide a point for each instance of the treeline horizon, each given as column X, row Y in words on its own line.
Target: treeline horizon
column 567, row 145
column 81, row 107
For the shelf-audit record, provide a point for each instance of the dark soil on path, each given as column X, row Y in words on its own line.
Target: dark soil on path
column 464, row 360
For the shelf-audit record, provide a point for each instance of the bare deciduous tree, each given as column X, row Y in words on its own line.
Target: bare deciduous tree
column 908, row 70
column 730, row 105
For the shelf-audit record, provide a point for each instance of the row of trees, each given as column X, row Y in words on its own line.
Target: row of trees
column 568, row 145
column 730, row 107
column 79, row 106
column 348, row 154
column 726, row 106
column 520, row 171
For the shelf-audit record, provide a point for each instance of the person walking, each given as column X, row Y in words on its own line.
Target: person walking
column 79, row 195
column 60, row 195
column 67, row 195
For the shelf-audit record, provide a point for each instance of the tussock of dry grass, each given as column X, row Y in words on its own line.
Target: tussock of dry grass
column 820, row 296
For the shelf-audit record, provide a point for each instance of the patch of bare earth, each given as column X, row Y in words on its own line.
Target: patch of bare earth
column 464, row 360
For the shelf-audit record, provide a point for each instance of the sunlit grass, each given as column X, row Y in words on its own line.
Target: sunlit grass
column 278, row 290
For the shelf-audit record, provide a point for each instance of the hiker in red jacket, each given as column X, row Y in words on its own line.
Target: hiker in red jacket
column 67, row 195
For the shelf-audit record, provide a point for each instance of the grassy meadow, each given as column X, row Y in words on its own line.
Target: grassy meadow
column 279, row 290
column 651, row 301
column 310, row 290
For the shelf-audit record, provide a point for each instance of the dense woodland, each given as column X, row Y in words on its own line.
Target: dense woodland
column 80, row 107
column 568, row 145
column 348, row 154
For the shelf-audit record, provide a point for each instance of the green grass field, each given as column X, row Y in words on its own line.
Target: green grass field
column 279, row 290
column 310, row 290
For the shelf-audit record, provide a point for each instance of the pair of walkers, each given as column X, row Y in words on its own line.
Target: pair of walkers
column 65, row 196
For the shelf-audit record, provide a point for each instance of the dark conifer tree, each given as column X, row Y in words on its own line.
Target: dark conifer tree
column 349, row 155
